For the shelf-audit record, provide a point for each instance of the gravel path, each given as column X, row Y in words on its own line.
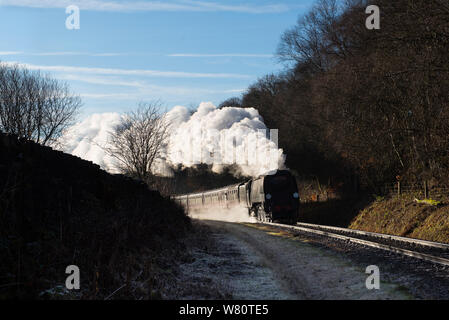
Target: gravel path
column 422, row 279
column 250, row 261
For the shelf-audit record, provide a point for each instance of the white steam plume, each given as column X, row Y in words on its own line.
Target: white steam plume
column 229, row 215
column 219, row 137
column 85, row 139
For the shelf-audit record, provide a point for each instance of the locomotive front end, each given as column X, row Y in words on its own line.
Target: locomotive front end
column 281, row 197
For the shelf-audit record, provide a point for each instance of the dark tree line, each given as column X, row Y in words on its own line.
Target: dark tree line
column 353, row 102
column 35, row 106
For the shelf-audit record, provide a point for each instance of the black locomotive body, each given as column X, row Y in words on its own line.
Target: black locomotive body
column 275, row 197
column 270, row 197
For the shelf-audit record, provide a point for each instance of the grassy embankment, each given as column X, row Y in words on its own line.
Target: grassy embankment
column 405, row 217
column 401, row 216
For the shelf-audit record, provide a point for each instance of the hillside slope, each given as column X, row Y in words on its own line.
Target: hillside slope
column 404, row 217
column 57, row 210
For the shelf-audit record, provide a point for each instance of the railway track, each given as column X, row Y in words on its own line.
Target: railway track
column 434, row 252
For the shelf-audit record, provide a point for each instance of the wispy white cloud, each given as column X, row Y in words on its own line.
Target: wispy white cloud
column 101, row 80
column 125, row 96
column 130, row 6
column 63, row 53
column 111, row 54
column 215, row 6
column 58, row 53
column 129, row 72
column 114, row 54
column 157, row 91
column 10, row 53
column 139, row 89
column 221, row 55
column 144, row 88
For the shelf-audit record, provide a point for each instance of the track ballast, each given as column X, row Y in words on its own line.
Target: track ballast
column 429, row 251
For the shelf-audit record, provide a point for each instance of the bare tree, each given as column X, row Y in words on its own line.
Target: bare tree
column 231, row 102
column 138, row 140
column 35, row 106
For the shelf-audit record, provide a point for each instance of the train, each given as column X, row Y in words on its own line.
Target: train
column 272, row 197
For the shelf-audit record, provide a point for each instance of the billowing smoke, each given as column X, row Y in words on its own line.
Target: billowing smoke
column 223, row 137
column 87, row 139
column 218, row 137
column 229, row 215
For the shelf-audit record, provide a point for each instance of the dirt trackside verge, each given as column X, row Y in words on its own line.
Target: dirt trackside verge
column 238, row 261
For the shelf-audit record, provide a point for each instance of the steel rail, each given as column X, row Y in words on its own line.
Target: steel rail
column 420, row 242
column 405, row 252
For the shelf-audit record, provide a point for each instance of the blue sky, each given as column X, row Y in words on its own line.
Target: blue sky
column 180, row 52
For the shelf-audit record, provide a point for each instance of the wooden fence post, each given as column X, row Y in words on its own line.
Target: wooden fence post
column 426, row 190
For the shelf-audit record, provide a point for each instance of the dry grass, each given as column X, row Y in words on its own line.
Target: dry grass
column 403, row 216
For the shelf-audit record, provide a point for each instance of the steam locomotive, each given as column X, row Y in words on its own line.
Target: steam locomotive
column 269, row 197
